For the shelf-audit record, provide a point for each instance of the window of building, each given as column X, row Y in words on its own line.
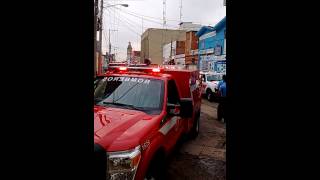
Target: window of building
column 202, row 44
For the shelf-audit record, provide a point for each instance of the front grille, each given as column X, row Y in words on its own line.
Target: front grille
column 100, row 163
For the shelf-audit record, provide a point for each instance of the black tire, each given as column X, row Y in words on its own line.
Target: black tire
column 209, row 95
column 196, row 127
column 156, row 170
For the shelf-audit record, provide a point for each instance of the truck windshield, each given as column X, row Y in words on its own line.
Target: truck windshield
column 214, row 77
column 130, row 92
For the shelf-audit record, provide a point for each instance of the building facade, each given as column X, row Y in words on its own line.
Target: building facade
column 153, row 40
column 174, row 51
column 189, row 26
column 191, row 48
column 135, row 57
column 212, row 47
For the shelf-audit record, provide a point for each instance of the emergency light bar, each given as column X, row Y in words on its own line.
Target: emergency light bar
column 156, row 69
column 135, row 67
column 152, row 68
column 122, row 68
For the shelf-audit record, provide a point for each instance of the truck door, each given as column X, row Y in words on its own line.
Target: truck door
column 172, row 125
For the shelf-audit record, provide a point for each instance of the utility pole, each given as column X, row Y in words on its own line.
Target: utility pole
column 96, row 11
column 142, row 25
column 109, row 44
column 110, row 40
column 100, row 36
column 170, row 51
column 101, row 27
column 164, row 13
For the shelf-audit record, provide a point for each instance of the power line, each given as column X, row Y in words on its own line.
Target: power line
column 151, row 17
column 132, row 30
column 134, row 23
column 131, row 23
column 145, row 18
column 159, row 21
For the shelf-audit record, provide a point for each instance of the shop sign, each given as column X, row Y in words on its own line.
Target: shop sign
column 211, row 50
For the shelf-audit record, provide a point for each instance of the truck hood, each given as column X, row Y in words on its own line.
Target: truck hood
column 117, row 129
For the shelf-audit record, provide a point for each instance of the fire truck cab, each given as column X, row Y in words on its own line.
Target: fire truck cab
column 140, row 113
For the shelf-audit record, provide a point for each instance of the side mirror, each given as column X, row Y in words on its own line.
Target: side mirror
column 173, row 109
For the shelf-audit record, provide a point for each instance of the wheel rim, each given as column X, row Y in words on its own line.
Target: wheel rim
column 209, row 96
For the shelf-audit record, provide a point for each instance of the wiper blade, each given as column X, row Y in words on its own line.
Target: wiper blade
column 124, row 105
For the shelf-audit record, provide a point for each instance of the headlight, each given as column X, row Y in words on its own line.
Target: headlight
column 123, row 164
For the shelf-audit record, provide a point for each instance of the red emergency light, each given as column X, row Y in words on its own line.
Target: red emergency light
column 156, row 70
column 123, row 68
column 133, row 68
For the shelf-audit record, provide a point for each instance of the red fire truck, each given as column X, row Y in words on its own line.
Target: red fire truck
column 140, row 113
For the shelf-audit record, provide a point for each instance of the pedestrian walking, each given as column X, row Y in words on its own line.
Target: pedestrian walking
column 222, row 99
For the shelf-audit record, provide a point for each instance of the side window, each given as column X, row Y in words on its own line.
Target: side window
column 173, row 96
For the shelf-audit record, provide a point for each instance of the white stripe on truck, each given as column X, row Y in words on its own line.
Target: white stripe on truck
column 169, row 125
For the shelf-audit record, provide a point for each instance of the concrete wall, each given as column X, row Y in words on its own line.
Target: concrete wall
column 154, row 39
column 166, row 52
column 189, row 26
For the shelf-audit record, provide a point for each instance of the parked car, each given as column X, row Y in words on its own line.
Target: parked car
column 210, row 82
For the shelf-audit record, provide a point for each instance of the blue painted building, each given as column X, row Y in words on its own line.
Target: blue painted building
column 212, row 47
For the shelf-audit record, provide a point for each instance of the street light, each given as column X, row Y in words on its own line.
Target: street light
column 100, row 31
column 100, row 35
column 124, row 5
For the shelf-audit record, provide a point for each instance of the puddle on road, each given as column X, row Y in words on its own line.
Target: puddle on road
column 196, row 167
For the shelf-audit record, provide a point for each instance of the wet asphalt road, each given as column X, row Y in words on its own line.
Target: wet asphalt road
column 205, row 156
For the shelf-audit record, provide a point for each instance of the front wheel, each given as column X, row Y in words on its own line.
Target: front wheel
column 156, row 168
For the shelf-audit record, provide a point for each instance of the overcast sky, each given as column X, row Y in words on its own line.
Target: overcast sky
column 128, row 23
